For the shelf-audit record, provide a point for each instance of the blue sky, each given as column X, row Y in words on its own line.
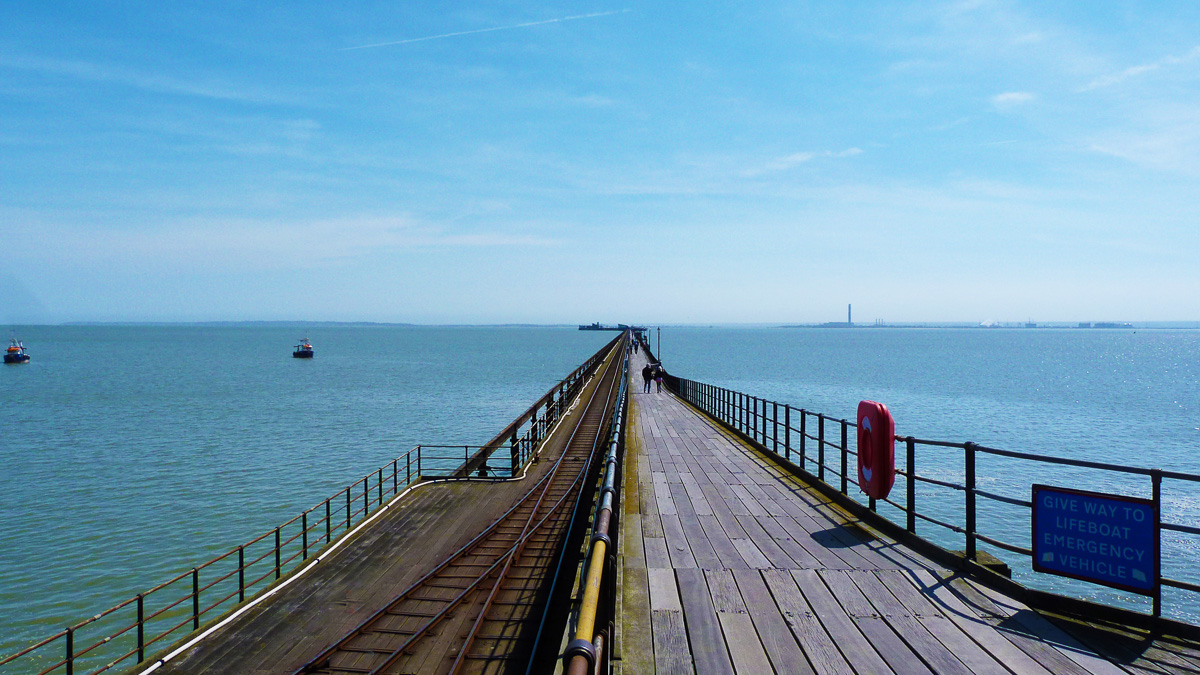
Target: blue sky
column 570, row 162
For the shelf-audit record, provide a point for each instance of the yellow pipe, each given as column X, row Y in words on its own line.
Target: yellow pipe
column 591, row 593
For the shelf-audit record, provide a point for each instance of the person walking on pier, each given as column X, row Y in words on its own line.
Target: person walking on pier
column 646, row 372
column 658, row 376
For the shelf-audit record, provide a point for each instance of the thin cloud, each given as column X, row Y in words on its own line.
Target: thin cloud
column 105, row 74
column 487, row 30
column 798, row 158
column 1011, row 98
column 1134, row 71
column 242, row 242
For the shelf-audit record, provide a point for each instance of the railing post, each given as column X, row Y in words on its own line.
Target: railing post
column 241, row 573
column 141, row 627
column 278, row 558
column 787, row 432
column 845, row 456
column 395, row 476
column 970, row 491
column 195, row 599
column 821, row 446
column 1156, row 494
column 775, row 426
column 515, row 452
column 70, row 650
column 304, row 531
column 418, row 461
column 533, row 428
column 753, row 406
column 366, row 495
column 911, row 469
column 745, row 412
column 754, row 419
column 328, row 523
column 381, row 486
column 803, row 437
column 760, row 417
column 348, row 491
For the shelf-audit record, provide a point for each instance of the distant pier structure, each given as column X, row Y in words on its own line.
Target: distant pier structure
column 618, row 327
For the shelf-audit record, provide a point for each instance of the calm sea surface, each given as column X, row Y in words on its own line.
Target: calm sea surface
column 132, row 453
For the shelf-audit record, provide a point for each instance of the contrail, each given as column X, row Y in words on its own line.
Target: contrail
column 486, row 30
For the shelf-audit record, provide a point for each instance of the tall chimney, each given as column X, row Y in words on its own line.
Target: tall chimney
column 848, row 319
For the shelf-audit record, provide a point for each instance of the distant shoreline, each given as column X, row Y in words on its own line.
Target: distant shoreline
column 304, row 324
column 1057, row 325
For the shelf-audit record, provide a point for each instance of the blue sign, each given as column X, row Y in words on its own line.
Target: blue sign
column 1105, row 539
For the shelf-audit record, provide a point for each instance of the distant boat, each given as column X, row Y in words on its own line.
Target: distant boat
column 303, row 350
column 15, row 352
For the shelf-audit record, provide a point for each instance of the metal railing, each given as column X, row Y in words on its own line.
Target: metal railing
column 127, row 632
column 554, row 403
column 123, row 635
column 819, row 442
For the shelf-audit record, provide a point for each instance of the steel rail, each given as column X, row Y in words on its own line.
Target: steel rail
column 613, row 396
column 514, row 552
column 613, row 383
column 547, row 489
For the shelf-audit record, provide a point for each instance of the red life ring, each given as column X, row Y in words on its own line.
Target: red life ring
column 876, row 449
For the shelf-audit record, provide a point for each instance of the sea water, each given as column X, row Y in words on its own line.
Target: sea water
column 1120, row 396
column 130, row 454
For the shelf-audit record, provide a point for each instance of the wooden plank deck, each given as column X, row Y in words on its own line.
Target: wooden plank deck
column 731, row 565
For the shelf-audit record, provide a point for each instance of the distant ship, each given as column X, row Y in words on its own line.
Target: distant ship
column 304, row 350
column 15, row 352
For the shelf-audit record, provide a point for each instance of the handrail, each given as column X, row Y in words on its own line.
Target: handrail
column 760, row 422
column 243, row 576
column 565, row 390
column 585, row 649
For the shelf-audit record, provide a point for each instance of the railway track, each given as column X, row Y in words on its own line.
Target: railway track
column 473, row 612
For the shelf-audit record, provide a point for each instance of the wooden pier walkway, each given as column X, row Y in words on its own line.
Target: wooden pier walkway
column 729, row 564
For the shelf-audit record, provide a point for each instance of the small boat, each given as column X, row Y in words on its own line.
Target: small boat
column 303, row 350
column 15, row 352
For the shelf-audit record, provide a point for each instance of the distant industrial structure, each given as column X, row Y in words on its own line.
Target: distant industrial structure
column 838, row 324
